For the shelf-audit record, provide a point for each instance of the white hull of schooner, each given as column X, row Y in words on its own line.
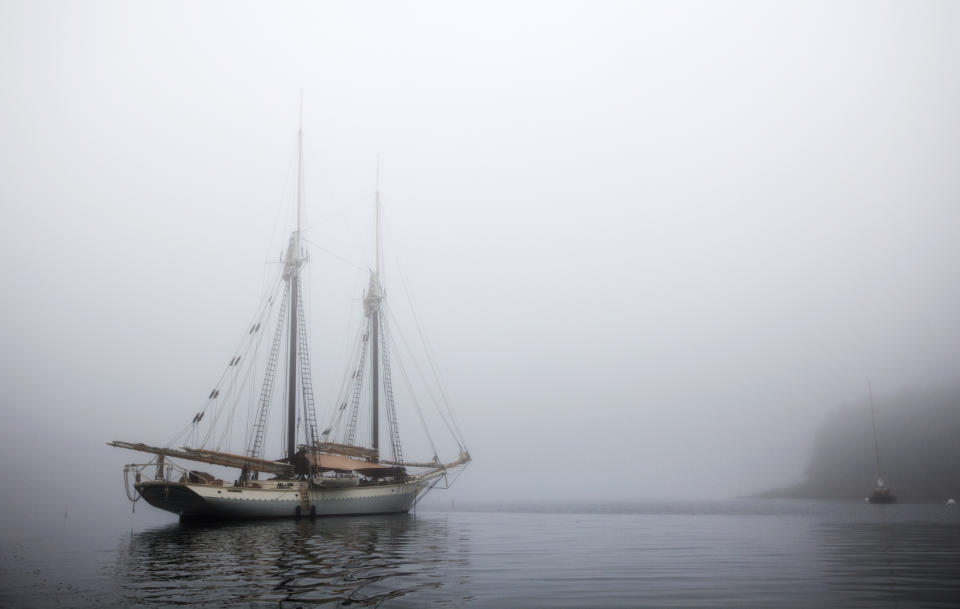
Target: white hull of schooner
column 208, row 501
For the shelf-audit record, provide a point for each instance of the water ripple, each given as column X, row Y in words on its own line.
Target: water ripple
column 344, row 562
column 738, row 554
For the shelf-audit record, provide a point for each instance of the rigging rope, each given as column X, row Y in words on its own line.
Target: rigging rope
column 336, row 417
column 413, row 398
column 451, row 425
column 333, row 255
column 258, row 432
column 306, row 378
column 388, row 390
column 426, row 347
column 224, row 384
column 350, row 432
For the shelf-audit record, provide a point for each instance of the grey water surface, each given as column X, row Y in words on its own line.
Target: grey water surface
column 738, row 553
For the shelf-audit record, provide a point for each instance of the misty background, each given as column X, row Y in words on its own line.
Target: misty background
column 654, row 246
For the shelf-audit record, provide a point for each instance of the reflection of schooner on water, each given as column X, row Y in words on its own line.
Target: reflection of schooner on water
column 335, row 471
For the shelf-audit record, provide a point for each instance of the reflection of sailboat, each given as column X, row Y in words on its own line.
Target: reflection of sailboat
column 881, row 494
column 334, row 472
column 357, row 561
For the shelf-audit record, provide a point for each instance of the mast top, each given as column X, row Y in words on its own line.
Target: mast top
column 379, row 235
column 293, row 258
column 371, row 302
column 876, row 442
column 299, row 162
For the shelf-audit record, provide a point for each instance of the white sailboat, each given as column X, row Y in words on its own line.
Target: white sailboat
column 881, row 492
column 323, row 473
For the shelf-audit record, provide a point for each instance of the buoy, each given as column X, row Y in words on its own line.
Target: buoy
column 951, row 501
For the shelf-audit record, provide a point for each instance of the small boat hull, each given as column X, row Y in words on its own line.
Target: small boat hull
column 209, row 501
column 882, row 496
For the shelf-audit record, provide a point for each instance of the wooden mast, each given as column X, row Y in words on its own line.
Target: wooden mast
column 375, row 335
column 293, row 279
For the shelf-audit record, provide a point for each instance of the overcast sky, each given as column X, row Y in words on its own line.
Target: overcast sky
column 653, row 244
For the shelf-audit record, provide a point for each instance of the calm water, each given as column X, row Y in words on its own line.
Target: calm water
column 728, row 554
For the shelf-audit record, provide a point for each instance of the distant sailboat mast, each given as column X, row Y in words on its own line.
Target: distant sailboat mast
column 876, row 443
column 881, row 494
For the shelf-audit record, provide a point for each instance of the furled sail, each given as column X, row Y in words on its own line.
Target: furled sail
column 210, row 456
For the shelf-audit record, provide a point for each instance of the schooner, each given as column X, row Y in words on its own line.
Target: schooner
column 339, row 470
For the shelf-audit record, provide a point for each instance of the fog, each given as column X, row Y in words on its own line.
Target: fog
column 653, row 245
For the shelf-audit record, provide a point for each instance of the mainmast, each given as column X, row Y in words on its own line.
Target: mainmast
column 292, row 275
column 372, row 306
